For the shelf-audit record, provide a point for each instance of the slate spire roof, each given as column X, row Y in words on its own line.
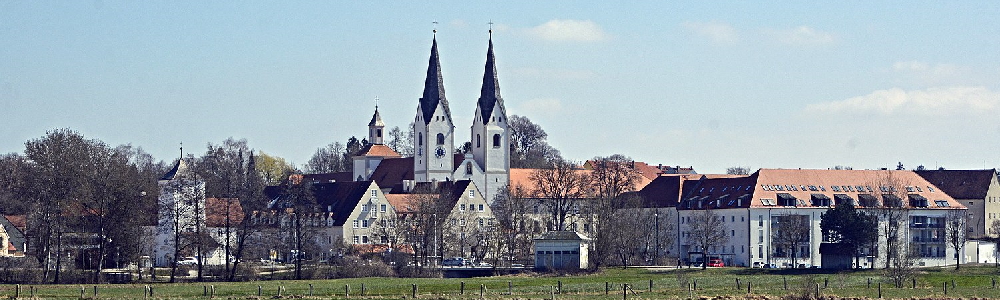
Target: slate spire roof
column 489, row 96
column 433, row 87
column 376, row 119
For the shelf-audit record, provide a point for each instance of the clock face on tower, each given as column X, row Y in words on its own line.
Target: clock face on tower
column 439, row 153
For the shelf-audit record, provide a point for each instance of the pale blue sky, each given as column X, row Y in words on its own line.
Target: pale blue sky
column 708, row 84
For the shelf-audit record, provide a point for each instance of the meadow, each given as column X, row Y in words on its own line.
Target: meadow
column 665, row 283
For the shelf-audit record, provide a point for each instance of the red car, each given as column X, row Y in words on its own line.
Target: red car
column 715, row 262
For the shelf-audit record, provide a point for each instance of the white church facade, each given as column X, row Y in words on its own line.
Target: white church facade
column 434, row 159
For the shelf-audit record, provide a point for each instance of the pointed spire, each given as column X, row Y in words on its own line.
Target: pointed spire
column 375, row 128
column 433, row 86
column 376, row 119
column 489, row 96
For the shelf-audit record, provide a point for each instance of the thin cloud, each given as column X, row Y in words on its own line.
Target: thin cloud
column 568, row 31
column 715, row 31
column 929, row 71
column 940, row 101
column 557, row 74
column 802, row 35
column 541, row 106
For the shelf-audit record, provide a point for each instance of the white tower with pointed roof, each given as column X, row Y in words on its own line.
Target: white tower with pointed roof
column 181, row 209
column 433, row 145
column 490, row 134
column 375, row 129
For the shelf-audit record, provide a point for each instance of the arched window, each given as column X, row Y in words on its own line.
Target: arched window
column 420, row 139
column 378, row 132
column 477, row 140
column 468, row 169
column 496, row 141
column 440, row 138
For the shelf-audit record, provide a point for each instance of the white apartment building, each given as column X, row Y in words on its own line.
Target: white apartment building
column 750, row 207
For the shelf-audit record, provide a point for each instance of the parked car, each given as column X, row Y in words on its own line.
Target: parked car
column 190, row 260
column 715, row 262
column 454, row 262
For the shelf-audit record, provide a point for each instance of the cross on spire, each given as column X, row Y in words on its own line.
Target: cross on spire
column 435, row 27
column 376, row 102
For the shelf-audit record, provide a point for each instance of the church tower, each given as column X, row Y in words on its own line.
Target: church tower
column 490, row 134
column 375, row 128
column 433, row 145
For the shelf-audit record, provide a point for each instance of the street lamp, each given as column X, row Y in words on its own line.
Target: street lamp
column 656, row 221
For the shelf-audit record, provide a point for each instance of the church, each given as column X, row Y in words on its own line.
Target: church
column 435, row 159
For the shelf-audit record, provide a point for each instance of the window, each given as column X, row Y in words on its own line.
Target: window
column 364, row 207
column 420, row 139
column 477, row 140
column 760, row 236
column 378, row 132
column 462, row 207
column 364, row 223
column 355, row 223
column 357, row 239
column 383, row 208
column 468, row 169
column 734, row 232
column 481, row 223
column 461, row 222
column 440, row 139
column 760, row 220
column 496, row 141
column 472, row 193
column 364, row 239
column 374, row 193
column 482, row 207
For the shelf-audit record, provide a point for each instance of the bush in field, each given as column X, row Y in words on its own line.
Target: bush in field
column 19, row 270
column 355, row 267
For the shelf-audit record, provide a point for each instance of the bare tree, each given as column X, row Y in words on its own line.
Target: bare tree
column 790, row 231
column 512, row 234
column 622, row 231
column 297, row 195
column 529, row 149
column 902, row 268
column 328, row 159
column 561, row 189
column 178, row 218
column 705, row 231
column 738, row 170
column 893, row 213
column 955, row 228
column 615, row 231
column 400, row 141
column 421, row 223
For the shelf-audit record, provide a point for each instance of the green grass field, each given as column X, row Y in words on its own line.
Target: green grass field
column 970, row 282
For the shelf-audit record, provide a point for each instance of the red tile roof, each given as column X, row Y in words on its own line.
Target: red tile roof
column 378, row 150
column 216, row 211
column 771, row 188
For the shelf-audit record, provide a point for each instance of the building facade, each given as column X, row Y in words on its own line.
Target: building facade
column 750, row 209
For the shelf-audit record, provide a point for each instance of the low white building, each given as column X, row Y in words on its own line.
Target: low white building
column 561, row 250
column 750, row 207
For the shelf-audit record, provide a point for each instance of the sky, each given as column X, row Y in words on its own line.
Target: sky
column 708, row 84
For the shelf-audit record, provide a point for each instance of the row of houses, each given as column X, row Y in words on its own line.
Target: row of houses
column 750, row 208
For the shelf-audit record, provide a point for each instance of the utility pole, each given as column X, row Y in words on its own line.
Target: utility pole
column 656, row 221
